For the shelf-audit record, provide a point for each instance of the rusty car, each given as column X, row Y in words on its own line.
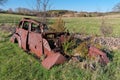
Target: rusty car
column 34, row 36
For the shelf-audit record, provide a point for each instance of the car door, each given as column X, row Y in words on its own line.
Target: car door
column 35, row 40
column 23, row 33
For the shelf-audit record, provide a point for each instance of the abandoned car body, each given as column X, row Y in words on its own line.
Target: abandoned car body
column 33, row 36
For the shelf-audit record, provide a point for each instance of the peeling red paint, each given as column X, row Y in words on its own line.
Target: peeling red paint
column 94, row 52
column 32, row 37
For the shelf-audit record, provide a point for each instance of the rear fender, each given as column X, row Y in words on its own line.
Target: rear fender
column 17, row 38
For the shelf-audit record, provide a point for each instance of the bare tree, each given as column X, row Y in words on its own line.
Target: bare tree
column 10, row 10
column 2, row 2
column 38, row 4
column 42, row 7
column 38, row 8
column 45, row 6
column 116, row 8
column 23, row 10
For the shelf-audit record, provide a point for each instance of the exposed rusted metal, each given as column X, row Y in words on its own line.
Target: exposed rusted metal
column 55, row 58
column 33, row 36
column 94, row 52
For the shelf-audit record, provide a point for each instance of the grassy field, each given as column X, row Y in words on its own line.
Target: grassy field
column 91, row 25
column 86, row 25
column 11, row 19
column 15, row 64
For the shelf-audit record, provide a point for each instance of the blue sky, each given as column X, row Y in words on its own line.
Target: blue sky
column 76, row 5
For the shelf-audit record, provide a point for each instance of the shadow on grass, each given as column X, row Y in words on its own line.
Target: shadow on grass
column 108, row 53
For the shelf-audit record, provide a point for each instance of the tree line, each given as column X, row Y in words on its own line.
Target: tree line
column 43, row 10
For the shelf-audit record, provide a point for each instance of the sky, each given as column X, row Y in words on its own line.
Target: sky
column 75, row 5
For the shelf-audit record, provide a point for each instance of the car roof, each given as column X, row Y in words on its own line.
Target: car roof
column 31, row 20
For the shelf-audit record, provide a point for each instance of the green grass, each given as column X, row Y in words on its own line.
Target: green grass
column 15, row 64
column 91, row 25
column 86, row 25
column 11, row 19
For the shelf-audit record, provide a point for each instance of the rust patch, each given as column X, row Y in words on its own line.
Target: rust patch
column 52, row 60
column 94, row 52
column 33, row 36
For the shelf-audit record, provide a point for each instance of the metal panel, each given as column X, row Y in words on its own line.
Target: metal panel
column 35, row 43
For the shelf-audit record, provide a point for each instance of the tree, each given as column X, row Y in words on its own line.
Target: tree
column 38, row 4
column 42, row 6
column 10, row 10
column 2, row 2
column 45, row 6
column 23, row 10
column 116, row 8
column 1, row 10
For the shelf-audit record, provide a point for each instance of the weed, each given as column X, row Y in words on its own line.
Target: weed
column 106, row 29
column 59, row 25
column 68, row 47
column 82, row 48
